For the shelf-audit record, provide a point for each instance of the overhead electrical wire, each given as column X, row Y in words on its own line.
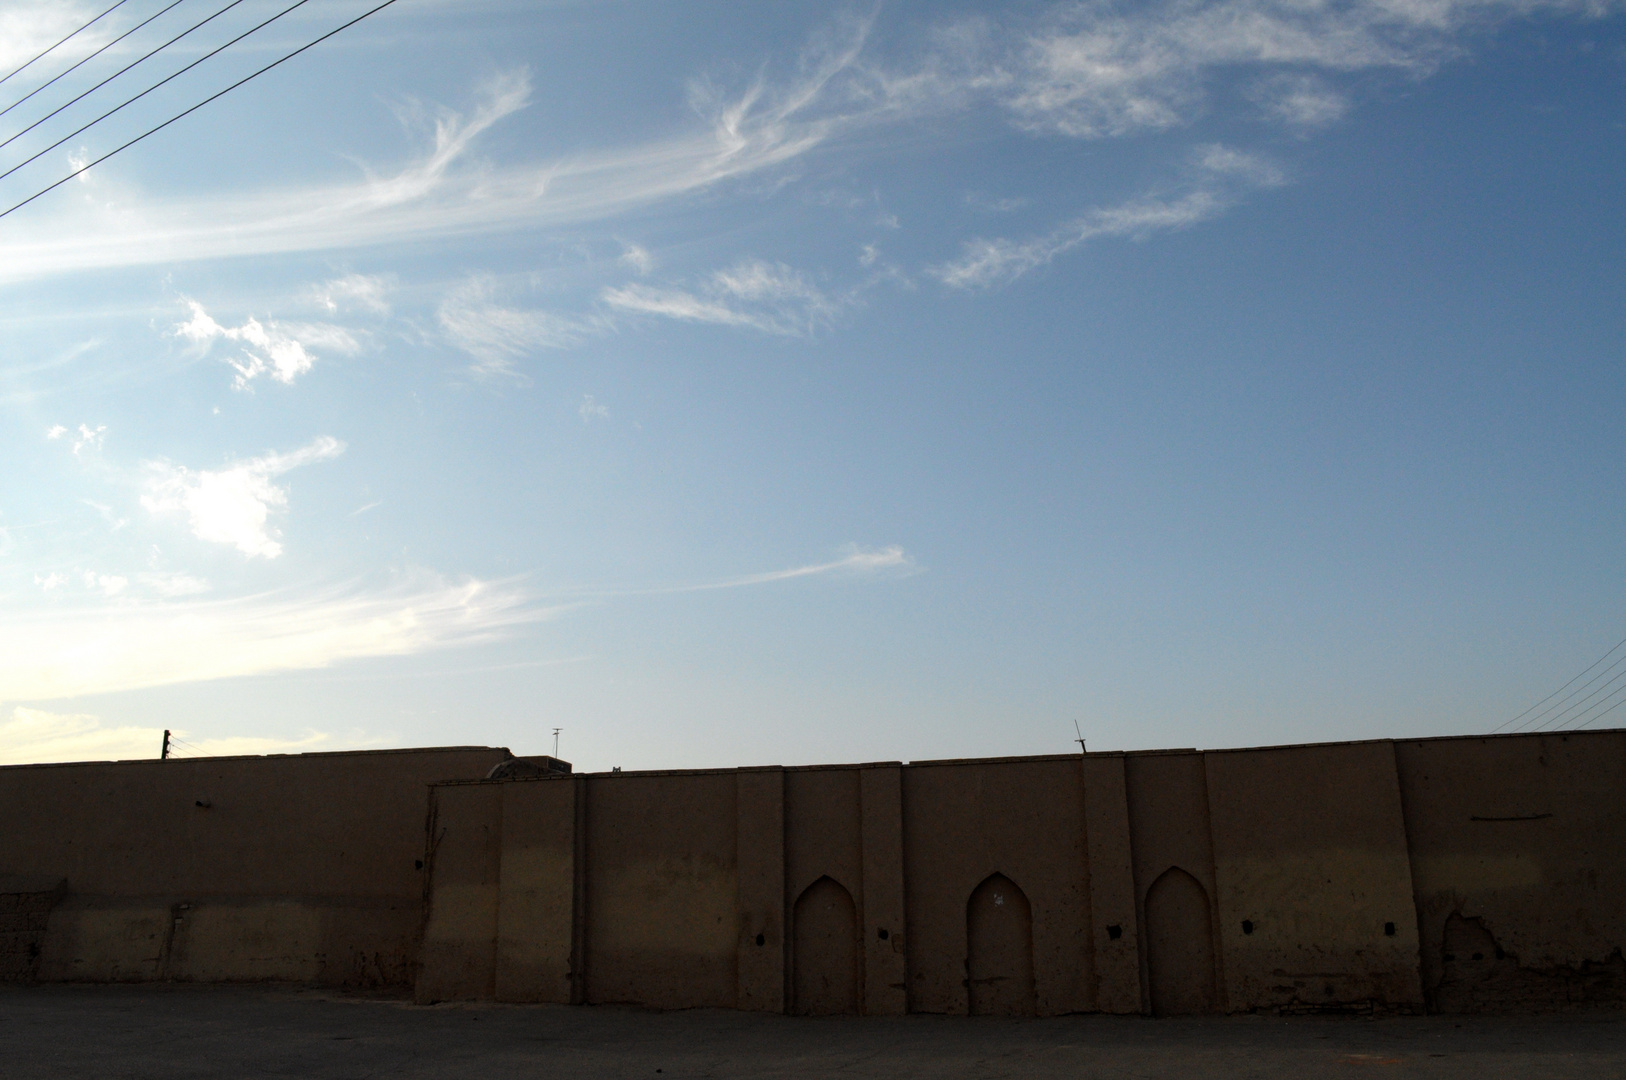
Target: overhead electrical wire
column 87, row 59
column 1563, row 719
column 154, row 86
column 194, row 108
column 1561, row 689
column 133, row 63
column 1561, row 708
column 67, row 39
column 1599, row 716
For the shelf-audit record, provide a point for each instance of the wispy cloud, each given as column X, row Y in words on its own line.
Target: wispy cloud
column 857, row 561
column 232, row 505
column 1099, row 70
column 282, row 352
column 1078, row 70
column 360, row 292
column 590, row 410
column 56, row 653
column 33, row 736
column 637, row 258
column 1223, row 173
column 496, row 335
column 770, row 297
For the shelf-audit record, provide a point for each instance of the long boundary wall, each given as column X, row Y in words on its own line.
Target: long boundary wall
column 1450, row 874
column 306, row 867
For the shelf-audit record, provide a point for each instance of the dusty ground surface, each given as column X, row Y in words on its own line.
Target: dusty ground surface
column 178, row 1031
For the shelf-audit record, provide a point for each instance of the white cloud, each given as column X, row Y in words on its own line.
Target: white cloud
column 34, row 736
column 106, row 584
column 638, row 258
column 232, row 505
column 50, row 581
column 171, row 584
column 85, row 436
column 770, row 297
column 283, row 352
column 1300, row 101
column 354, row 291
column 496, row 335
column 66, row 653
column 1222, row 174
column 590, row 410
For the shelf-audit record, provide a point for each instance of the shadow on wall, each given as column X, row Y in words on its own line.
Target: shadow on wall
column 825, row 956
column 999, row 940
column 1179, row 946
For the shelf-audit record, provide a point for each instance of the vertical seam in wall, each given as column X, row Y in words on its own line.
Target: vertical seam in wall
column 1092, row 985
column 784, row 900
column 578, row 898
column 430, row 843
column 1222, row 997
column 1411, row 875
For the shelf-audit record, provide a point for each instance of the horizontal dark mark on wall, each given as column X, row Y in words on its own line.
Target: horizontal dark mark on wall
column 1520, row 817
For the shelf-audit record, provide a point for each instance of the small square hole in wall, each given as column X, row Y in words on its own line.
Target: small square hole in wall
column 1115, row 931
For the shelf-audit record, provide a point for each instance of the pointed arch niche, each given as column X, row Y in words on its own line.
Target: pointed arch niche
column 824, row 959
column 1179, row 946
column 999, row 940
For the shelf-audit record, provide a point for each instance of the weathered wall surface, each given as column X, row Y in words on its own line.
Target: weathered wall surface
column 299, row 867
column 1288, row 879
column 1314, row 887
column 1482, row 874
column 1518, row 856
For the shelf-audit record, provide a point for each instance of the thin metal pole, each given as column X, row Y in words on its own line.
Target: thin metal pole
column 164, row 754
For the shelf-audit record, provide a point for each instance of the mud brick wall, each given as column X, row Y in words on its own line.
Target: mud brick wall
column 24, row 918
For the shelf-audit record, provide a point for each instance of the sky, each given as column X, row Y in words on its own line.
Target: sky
column 789, row 383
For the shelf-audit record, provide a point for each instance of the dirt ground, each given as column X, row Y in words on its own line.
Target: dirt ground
column 183, row 1031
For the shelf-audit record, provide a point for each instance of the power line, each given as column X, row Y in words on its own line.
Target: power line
column 194, row 108
column 1560, row 690
column 86, row 60
column 1567, row 702
column 127, row 67
column 65, row 40
column 1567, row 721
column 1600, row 716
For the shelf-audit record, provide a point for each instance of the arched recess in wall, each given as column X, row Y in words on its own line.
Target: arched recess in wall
column 999, row 940
column 824, row 958
column 1179, row 946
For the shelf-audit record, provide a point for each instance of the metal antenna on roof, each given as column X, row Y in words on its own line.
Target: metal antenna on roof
column 556, row 732
column 1080, row 739
column 163, row 755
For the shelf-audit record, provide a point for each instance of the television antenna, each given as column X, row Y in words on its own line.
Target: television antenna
column 1080, row 739
column 556, row 732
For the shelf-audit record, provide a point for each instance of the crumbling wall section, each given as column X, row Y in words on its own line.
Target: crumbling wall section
column 1518, row 853
column 25, row 912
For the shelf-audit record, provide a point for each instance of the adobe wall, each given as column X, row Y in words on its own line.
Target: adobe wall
column 1518, row 857
column 300, row 867
column 1337, row 877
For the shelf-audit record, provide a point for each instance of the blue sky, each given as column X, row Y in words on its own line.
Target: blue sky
column 788, row 383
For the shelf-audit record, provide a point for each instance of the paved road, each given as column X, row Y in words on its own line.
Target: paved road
column 182, row 1032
